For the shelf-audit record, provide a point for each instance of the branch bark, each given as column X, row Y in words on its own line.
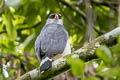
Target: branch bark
column 68, row 19
column 86, row 53
column 89, row 35
column 74, row 8
column 110, row 4
column 118, row 12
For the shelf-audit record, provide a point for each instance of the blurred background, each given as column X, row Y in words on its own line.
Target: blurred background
column 22, row 20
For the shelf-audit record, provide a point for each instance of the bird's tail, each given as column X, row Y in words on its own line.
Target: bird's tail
column 45, row 64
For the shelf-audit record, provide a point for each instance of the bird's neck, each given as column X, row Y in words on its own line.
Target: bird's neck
column 50, row 21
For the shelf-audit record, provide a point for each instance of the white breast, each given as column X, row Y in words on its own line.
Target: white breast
column 67, row 49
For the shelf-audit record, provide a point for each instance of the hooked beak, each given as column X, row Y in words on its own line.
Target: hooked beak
column 56, row 17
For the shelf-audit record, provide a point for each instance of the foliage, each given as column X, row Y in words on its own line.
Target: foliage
column 76, row 65
column 22, row 20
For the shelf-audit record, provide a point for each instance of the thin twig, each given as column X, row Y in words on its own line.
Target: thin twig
column 108, row 4
column 20, row 29
column 74, row 8
column 68, row 19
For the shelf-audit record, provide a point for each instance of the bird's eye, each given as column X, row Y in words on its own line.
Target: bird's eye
column 51, row 16
column 60, row 17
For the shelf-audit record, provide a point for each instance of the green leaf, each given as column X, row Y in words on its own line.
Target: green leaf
column 9, row 26
column 29, row 41
column 111, row 74
column 104, row 53
column 118, row 39
column 1, row 26
column 77, row 66
column 101, row 66
column 11, row 45
column 13, row 2
column 90, row 78
column 31, row 13
column 116, row 48
column 0, row 3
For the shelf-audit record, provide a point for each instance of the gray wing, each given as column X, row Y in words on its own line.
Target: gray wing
column 51, row 41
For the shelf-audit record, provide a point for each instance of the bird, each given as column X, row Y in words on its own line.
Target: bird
column 52, row 41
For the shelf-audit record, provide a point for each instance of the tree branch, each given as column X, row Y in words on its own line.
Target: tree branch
column 74, row 8
column 19, row 29
column 67, row 18
column 9, row 56
column 112, row 5
column 86, row 53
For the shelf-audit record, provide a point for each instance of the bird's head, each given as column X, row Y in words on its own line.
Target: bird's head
column 55, row 18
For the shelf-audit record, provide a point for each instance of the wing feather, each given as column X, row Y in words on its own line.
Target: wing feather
column 51, row 41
